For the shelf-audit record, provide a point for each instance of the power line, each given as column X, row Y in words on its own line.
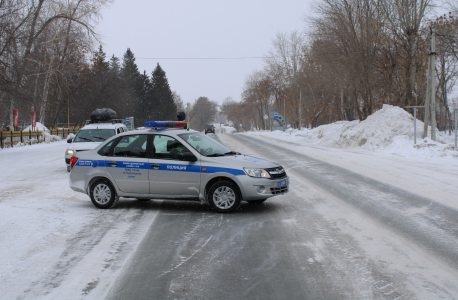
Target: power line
column 200, row 58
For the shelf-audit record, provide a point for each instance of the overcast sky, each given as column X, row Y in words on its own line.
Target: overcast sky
column 179, row 29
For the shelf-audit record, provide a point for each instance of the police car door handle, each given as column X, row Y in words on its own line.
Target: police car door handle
column 155, row 166
column 113, row 163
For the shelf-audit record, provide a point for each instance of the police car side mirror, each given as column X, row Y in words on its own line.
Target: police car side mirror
column 187, row 156
column 69, row 141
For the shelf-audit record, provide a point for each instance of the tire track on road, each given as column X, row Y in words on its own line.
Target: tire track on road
column 368, row 195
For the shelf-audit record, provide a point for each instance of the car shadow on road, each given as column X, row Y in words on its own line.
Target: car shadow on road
column 183, row 206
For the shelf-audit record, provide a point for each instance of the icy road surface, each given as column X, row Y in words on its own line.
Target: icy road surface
column 353, row 226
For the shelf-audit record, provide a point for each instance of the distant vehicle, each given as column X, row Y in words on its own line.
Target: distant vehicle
column 103, row 125
column 209, row 129
column 168, row 163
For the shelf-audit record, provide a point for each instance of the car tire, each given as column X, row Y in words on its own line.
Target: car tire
column 224, row 196
column 103, row 195
column 256, row 201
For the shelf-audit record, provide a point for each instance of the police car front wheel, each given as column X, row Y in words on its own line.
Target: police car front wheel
column 103, row 195
column 224, row 196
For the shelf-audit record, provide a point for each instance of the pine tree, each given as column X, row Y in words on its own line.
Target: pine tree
column 99, row 64
column 144, row 108
column 162, row 96
column 100, row 85
column 115, row 67
column 133, row 83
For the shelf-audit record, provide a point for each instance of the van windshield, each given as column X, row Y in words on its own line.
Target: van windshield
column 93, row 135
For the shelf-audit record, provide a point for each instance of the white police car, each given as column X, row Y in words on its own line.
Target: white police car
column 166, row 163
column 92, row 135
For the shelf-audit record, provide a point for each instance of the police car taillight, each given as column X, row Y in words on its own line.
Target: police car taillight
column 165, row 124
column 73, row 161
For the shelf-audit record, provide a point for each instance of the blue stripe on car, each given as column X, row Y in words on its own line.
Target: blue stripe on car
column 164, row 167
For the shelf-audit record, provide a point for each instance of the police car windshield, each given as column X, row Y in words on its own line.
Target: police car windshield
column 205, row 145
column 94, row 135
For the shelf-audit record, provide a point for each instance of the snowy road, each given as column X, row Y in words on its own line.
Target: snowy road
column 343, row 232
column 337, row 235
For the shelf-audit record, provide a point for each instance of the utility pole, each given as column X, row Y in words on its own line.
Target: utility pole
column 433, row 84
column 300, row 107
column 430, row 103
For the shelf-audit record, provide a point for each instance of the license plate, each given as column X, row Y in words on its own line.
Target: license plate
column 282, row 183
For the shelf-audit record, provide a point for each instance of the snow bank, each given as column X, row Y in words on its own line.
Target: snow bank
column 390, row 130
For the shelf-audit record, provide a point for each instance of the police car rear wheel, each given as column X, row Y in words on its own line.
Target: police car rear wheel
column 224, row 196
column 103, row 194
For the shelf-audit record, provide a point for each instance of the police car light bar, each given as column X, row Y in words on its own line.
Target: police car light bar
column 162, row 124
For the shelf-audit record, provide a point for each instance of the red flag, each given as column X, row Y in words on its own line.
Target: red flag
column 16, row 118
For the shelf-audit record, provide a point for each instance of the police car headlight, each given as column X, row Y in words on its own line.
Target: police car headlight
column 69, row 152
column 259, row 173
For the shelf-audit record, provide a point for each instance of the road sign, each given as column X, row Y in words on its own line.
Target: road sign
column 265, row 117
column 276, row 114
column 127, row 120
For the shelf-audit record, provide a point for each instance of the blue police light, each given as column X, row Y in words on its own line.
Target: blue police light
column 164, row 124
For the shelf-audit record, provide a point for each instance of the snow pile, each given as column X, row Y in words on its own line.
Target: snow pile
column 329, row 134
column 70, row 136
column 383, row 129
column 390, row 130
column 51, row 138
column 39, row 127
column 379, row 129
column 229, row 129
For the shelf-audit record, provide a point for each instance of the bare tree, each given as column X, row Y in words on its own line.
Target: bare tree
column 284, row 61
column 405, row 18
column 33, row 27
column 202, row 112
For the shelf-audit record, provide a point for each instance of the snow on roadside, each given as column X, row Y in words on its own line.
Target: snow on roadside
column 389, row 130
column 388, row 155
column 54, row 243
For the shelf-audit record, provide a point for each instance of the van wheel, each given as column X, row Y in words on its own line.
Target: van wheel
column 103, row 195
column 224, row 196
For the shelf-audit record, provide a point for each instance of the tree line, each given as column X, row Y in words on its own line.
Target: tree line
column 47, row 65
column 355, row 56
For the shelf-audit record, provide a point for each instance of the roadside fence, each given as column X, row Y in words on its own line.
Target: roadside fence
column 11, row 138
